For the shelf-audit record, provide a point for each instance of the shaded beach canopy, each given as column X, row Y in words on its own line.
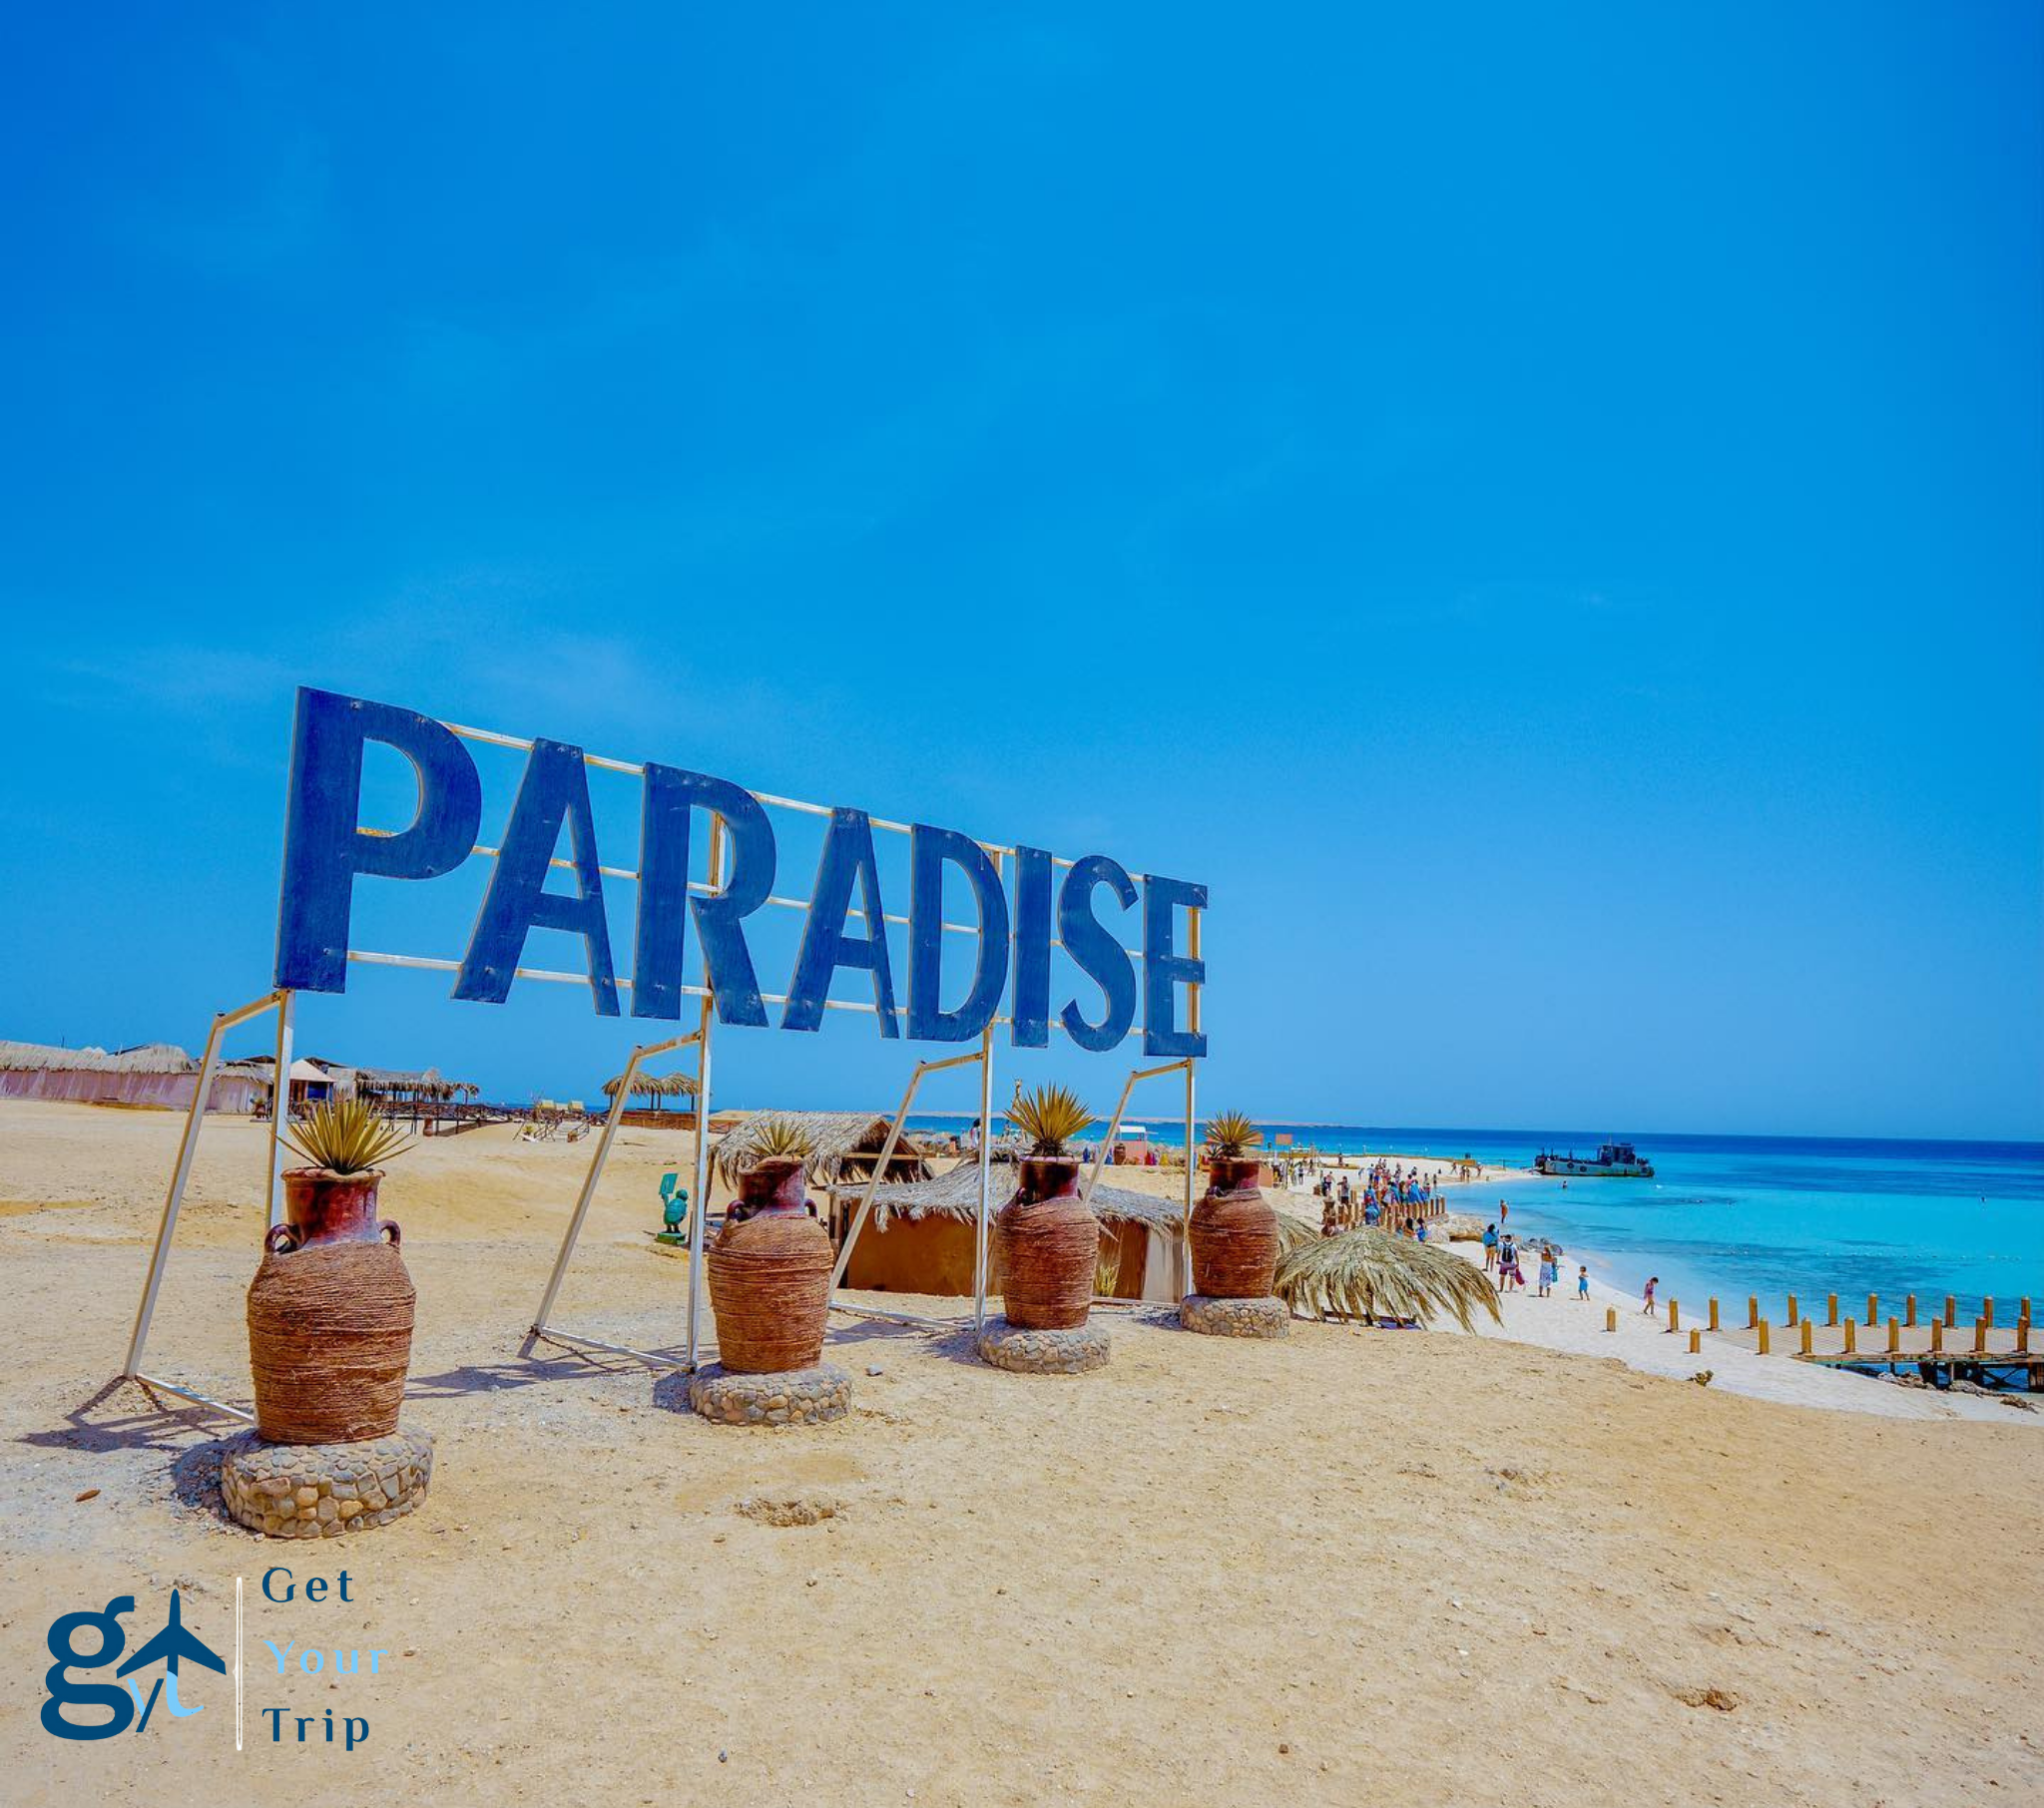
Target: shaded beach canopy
column 144, row 1057
column 956, row 1195
column 843, row 1143
column 654, row 1085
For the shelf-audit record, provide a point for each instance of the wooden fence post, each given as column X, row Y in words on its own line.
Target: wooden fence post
column 1936, row 1336
column 1794, row 1315
column 1753, row 1310
column 1988, row 1310
column 1979, row 1334
column 1872, row 1308
column 1894, row 1335
column 2022, row 1337
column 1696, row 1343
column 1674, row 1315
column 1763, row 1337
column 1852, row 1338
column 1951, row 1310
column 1610, row 1318
column 1910, row 1306
column 1831, row 1308
column 1714, row 1311
column 1805, row 1336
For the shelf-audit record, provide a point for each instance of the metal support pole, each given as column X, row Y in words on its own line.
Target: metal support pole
column 701, row 1202
column 1114, row 1124
column 1192, row 1014
column 595, row 1167
column 181, row 1173
column 986, row 1157
column 879, row 1174
column 286, row 1010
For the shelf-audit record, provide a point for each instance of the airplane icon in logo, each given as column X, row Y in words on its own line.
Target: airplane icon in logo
column 167, row 1649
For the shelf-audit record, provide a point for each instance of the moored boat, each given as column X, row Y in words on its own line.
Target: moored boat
column 1614, row 1161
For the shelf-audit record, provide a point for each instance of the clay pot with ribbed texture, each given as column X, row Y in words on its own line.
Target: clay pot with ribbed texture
column 330, row 1315
column 1048, row 1245
column 1235, row 1233
column 769, row 1275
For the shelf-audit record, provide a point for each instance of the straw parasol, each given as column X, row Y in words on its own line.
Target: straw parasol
column 1370, row 1273
column 653, row 1086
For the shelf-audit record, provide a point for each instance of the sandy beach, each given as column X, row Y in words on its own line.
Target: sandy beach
column 1349, row 1567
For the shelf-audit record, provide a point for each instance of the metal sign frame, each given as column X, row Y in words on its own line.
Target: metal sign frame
column 281, row 1002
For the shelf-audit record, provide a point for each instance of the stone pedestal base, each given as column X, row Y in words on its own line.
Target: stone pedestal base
column 323, row 1489
column 1071, row 1352
column 1235, row 1318
column 792, row 1397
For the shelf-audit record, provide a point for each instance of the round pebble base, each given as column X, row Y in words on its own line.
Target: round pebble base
column 1235, row 1318
column 794, row 1397
column 1026, row 1352
column 323, row 1489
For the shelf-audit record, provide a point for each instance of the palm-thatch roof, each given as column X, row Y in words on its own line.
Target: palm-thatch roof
column 840, row 1144
column 144, row 1057
column 956, row 1196
column 654, row 1085
column 1370, row 1273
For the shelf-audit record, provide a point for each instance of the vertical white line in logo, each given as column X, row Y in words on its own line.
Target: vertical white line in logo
column 238, row 1663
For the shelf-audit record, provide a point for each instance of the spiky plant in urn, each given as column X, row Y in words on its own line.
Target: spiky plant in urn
column 1235, row 1232
column 1046, row 1240
column 769, row 1268
column 330, row 1308
column 1234, row 1240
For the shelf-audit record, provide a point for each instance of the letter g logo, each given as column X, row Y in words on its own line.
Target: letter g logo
column 64, row 1692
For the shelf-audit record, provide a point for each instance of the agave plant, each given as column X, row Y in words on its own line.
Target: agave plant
column 777, row 1138
column 346, row 1137
column 1372, row 1274
column 1231, row 1136
column 1050, row 1118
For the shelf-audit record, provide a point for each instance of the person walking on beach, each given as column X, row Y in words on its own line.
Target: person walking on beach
column 1647, row 1305
column 1548, row 1273
column 1582, row 1281
column 1489, row 1248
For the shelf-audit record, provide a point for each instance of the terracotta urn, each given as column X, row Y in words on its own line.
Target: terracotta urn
column 1235, row 1233
column 330, row 1315
column 1048, row 1246
column 770, row 1274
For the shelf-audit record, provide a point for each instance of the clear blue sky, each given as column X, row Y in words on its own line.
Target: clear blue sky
column 1539, row 507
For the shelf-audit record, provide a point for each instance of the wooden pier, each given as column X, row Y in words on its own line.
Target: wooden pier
column 1986, row 1349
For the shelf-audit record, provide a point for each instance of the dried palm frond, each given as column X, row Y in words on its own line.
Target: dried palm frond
column 773, row 1139
column 1372, row 1274
column 1230, row 1133
column 346, row 1137
column 1107, row 1264
column 1050, row 1117
column 1294, row 1232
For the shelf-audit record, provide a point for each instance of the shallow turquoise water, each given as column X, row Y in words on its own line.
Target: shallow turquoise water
column 1733, row 1215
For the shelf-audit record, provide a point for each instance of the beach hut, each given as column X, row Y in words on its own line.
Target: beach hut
column 150, row 1074
column 922, row 1237
column 847, row 1146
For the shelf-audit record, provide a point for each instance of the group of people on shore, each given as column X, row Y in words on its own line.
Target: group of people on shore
column 1504, row 1259
column 1386, row 1192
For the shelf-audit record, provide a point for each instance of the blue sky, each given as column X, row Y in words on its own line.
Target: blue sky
column 1538, row 508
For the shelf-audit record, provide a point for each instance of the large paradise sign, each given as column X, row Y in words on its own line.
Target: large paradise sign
column 327, row 847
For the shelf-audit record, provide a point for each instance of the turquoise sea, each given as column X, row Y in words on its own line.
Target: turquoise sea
column 1733, row 1215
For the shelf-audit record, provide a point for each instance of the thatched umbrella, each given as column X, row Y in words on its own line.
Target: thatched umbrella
column 653, row 1086
column 1372, row 1274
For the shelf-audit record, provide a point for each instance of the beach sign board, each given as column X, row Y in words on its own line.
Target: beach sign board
column 328, row 849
